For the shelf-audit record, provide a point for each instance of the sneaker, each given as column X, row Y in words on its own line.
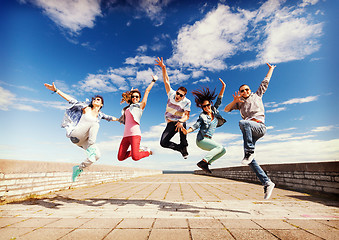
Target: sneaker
column 76, row 172
column 204, row 166
column 184, row 152
column 248, row 158
column 268, row 190
column 91, row 152
column 146, row 149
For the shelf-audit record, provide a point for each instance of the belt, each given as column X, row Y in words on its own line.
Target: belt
column 206, row 136
column 256, row 120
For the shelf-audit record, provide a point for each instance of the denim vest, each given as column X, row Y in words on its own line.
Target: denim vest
column 73, row 114
column 204, row 120
column 136, row 112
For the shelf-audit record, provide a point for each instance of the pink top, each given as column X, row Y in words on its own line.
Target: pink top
column 132, row 128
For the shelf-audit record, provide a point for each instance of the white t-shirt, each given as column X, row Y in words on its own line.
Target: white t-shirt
column 175, row 110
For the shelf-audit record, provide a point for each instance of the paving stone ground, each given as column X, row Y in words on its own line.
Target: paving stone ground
column 171, row 206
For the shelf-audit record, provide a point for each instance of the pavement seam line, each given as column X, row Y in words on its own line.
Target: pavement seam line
column 266, row 229
column 227, row 229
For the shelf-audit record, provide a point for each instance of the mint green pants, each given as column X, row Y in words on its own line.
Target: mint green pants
column 216, row 150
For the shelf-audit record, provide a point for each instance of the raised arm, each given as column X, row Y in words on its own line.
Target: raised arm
column 148, row 89
column 54, row 89
column 270, row 70
column 221, row 94
column 160, row 62
column 236, row 99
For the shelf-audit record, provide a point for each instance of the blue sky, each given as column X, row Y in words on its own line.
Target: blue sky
column 91, row 46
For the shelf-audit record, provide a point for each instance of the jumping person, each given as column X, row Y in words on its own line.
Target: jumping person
column 253, row 125
column 208, row 121
column 81, row 122
column 131, row 118
column 177, row 113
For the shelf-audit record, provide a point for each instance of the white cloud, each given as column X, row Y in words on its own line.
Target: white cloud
column 289, row 39
column 204, row 80
column 176, row 76
column 308, row 2
column 276, row 110
column 306, row 150
column 99, row 83
column 197, row 73
column 209, row 41
column 143, row 78
column 9, row 101
column 288, row 102
column 323, row 128
column 301, row 100
column 73, row 15
column 152, row 8
column 142, row 48
column 267, row 9
column 16, row 86
column 140, row 60
column 273, row 33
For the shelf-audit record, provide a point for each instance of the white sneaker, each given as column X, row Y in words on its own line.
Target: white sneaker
column 146, row 149
column 248, row 158
column 268, row 190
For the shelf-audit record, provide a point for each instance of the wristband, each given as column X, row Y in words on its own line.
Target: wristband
column 56, row 91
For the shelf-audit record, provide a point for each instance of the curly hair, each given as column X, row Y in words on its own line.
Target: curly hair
column 202, row 95
column 127, row 96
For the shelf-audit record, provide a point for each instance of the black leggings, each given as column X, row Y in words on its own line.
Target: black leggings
column 169, row 133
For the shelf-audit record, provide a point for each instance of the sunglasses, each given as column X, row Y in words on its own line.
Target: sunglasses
column 243, row 90
column 179, row 94
column 135, row 96
column 207, row 105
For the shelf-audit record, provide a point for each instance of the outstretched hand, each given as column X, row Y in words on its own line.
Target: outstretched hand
column 50, row 87
column 271, row 66
column 237, row 97
column 160, row 62
column 179, row 126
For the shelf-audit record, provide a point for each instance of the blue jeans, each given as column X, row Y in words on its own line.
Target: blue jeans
column 251, row 132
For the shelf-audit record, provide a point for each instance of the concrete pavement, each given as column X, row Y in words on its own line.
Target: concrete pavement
column 171, row 206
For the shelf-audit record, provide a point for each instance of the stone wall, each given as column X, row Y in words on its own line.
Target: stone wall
column 320, row 177
column 27, row 178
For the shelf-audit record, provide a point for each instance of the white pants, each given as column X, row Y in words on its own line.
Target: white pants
column 86, row 136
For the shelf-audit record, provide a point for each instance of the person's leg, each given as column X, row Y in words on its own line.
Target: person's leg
column 215, row 149
column 80, row 136
column 259, row 172
column 251, row 131
column 264, row 179
column 136, row 153
column 183, row 143
column 89, row 161
column 167, row 135
column 124, row 145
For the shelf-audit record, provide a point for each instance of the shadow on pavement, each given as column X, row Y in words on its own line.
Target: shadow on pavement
column 58, row 201
column 325, row 200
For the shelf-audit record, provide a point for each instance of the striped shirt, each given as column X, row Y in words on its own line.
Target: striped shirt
column 175, row 110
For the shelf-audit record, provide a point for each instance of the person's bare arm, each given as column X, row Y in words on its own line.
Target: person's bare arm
column 160, row 62
column 54, row 89
column 236, row 99
column 147, row 91
column 270, row 70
